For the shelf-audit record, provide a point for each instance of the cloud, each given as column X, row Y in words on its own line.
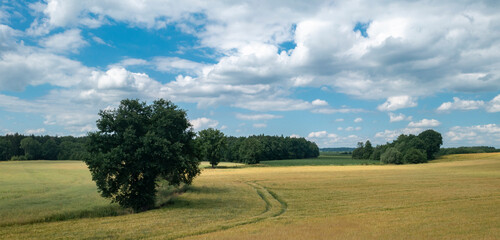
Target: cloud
column 389, row 135
column 257, row 117
column 337, row 110
column 8, row 37
column 319, row 134
column 424, row 123
column 488, row 134
column 398, row 117
column 175, row 64
column 494, row 105
column 339, row 120
column 406, row 53
column 326, row 139
column 397, row 102
column 203, row 123
column 259, row 125
column 32, row 67
column 459, row 104
column 358, row 120
column 319, row 102
column 294, row 136
column 350, row 129
column 35, row 131
column 67, row 41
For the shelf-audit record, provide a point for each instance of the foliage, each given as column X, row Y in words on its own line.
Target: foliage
column 414, row 155
column 211, row 145
column 51, row 148
column 462, row 150
column 409, row 149
column 254, row 149
column 136, row 145
column 32, row 148
column 359, row 151
column 432, row 142
column 391, row 156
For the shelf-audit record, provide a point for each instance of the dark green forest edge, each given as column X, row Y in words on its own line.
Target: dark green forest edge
column 267, row 148
column 408, row 149
column 252, row 149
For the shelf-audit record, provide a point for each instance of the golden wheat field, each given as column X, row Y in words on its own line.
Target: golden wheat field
column 456, row 197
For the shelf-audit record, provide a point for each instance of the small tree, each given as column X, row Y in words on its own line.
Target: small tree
column 136, row 145
column 359, row 151
column 391, row 156
column 211, row 144
column 368, row 150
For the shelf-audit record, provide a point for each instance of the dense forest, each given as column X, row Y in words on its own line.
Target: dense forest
column 20, row 147
column 252, row 149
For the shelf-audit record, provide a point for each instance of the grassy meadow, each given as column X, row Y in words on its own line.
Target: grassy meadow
column 455, row 197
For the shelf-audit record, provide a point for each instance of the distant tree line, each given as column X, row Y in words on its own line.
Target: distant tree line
column 341, row 150
column 462, row 150
column 256, row 148
column 405, row 149
column 21, row 147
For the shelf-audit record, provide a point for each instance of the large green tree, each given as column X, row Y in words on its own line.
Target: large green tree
column 136, row 146
column 432, row 142
column 211, row 144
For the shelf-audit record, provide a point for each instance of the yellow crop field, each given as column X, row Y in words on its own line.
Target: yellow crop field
column 456, row 197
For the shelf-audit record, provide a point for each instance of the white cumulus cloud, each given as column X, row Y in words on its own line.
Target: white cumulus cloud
column 67, row 41
column 202, row 123
column 397, row 102
column 424, row 123
column 459, row 104
column 35, row 131
column 257, row 117
column 398, row 117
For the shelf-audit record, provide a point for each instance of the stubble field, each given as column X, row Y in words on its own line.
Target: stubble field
column 456, row 197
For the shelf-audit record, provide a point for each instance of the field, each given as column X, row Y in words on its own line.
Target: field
column 456, row 197
column 325, row 159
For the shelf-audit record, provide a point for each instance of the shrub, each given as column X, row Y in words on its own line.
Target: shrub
column 391, row 156
column 415, row 156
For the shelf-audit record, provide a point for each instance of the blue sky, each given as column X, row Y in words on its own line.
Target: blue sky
column 333, row 72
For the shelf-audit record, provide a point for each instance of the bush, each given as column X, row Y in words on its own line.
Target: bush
column 391, row 156
column 415, row 156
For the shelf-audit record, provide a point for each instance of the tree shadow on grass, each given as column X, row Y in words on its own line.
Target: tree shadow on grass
column 96, row 212
column 171, row 200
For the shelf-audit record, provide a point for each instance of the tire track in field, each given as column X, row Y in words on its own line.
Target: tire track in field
column 275, row 206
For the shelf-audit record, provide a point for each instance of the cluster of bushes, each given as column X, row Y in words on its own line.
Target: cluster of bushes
column 21, row 147
column 254, row 149
column 405, row 149
column 462, row 150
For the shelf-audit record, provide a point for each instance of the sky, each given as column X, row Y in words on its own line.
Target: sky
column 334, row 72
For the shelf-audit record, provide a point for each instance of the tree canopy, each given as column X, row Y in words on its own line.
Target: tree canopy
column 137, row 145
column 405, row 149
column 211, row 144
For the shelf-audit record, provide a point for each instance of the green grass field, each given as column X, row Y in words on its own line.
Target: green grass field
column 457, row 197
column 325, row 159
